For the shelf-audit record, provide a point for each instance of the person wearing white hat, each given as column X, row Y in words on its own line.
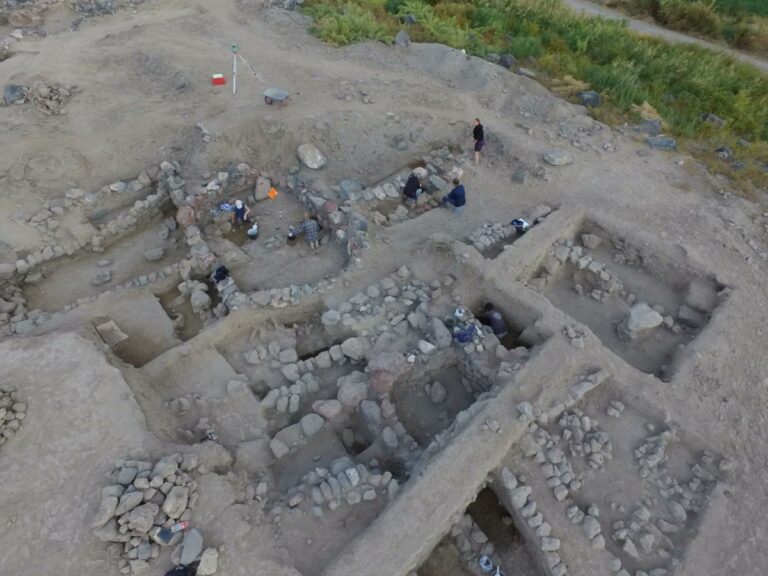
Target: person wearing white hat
column 241, row 213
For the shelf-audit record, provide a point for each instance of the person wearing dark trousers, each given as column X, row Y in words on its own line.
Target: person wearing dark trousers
column 478, row 133
column 456, row 198
column 412, row 189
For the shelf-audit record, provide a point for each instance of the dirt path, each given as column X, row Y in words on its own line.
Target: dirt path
column 659, row 32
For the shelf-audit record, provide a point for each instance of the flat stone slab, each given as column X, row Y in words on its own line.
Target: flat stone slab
column 111, row 334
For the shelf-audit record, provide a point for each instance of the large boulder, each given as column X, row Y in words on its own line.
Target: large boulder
column 666, row 143
column 208, row 562
column 443, row 336
column 353, row 389
column 392, row 362
column 176, row 501
column 311, row 424
column 311, row 157
column 354, row 348
column 165, row 467
column 105, row 512
column 558, row 157
column 154, row 254
column 191, row 547
column 643, row 318
column 350, row 188
column 328, row 409
column 141, row 518
column 402, row 38
column 128, row 502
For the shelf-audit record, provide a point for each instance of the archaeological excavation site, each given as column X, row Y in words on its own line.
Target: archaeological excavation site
column 230, row 345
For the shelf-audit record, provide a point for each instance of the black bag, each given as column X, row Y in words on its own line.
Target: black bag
column 182, row 570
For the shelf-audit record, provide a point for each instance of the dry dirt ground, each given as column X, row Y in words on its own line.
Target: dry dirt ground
column 143, row 94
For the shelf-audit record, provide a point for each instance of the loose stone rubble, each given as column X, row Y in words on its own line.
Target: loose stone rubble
column 12, row 414
column 143, row 499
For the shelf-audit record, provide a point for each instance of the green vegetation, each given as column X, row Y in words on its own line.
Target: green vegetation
column 741, row 23
column 682, row 83
column 735, row 7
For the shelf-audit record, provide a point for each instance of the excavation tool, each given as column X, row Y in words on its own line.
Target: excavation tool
column 272, row 95
column 235, row 55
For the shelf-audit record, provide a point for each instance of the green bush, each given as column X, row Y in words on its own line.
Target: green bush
column 736, row 7
column 526, row 47
column 690, row 17
column 346, row 24
column 393, row 6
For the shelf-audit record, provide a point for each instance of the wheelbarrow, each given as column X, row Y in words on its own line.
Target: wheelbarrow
column 272, row 95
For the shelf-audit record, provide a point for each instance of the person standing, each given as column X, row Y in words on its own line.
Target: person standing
column 457, row 198
column 478, row 133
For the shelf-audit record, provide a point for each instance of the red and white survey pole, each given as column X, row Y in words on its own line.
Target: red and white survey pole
column 234, row 69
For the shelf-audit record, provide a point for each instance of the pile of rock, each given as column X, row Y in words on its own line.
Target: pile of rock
column 652, row 453
column 584, row 438
column 287, row 399
column 295, row 435
column 50, row 98
column 344, row 481
column 575, row 335
column 12, row 414
column 615, row 409
column 590, row 524
column 518, row 495
column 198, row 297
column 12, row 305
column 471, row 542
column 144, row 499
column 92, row 8
column 640, row 536
column 383, row 425
column 651, row 457
column 230, row 296
column 394, row 303
column 278, row 362
column 489, row 234
column 554, row 464
column 290, row 295
column 602, row 283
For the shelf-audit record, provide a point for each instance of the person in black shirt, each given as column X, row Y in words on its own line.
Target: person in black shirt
column 478, row 133
column 412, row 189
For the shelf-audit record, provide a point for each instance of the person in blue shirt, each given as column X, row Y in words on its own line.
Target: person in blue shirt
column 456, row 198
column 240, row 213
